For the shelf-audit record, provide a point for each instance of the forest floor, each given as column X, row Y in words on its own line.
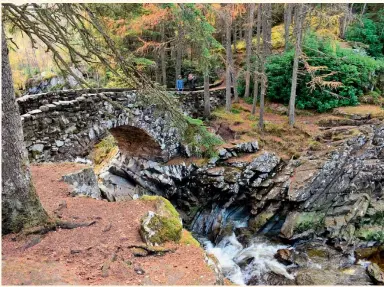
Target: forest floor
column 97, row 254
column 240, row 125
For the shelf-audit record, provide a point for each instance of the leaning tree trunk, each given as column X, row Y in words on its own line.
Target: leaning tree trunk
column 256, row 85
column 287, row 23
column 298, row 28
column 20, row 204
column 228, row 94
column 163, row 56
column 207, row 102
column 248, row 41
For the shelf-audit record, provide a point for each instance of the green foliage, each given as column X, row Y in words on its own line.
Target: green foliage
column 370, row 234
column 248, row 100
column 375, row 219
column 199, row 139
column 355, row 71
column 370, row 32
column 235, row 111
column 309, row 220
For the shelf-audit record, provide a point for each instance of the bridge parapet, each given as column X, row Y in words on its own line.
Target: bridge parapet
column 65, row 125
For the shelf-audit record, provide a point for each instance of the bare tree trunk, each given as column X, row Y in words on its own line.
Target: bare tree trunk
column 233, row 76
column 157, row 68
column 207, row 103
column 267, row 32
column 179, row 52
column 363, row 10
column 163, row 56
column 299, row 17
column 248, row 41
column 267, row 27
column 287, row 23
column 227, row 23
column 345, row 19
column 262, row 97
column 256, row 85
column 234, row 33
column 21, row 206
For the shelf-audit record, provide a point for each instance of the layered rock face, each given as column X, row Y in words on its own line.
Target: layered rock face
column 337, row 194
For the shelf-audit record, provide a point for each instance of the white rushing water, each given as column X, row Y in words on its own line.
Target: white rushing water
column 231, row 255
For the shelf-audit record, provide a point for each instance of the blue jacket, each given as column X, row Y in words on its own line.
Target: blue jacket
column 180, row 84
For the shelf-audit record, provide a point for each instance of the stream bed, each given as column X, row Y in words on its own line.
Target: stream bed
column 241, row 264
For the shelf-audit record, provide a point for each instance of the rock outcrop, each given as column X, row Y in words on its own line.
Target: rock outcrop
column 161, row 225
column 333, row 193
column 337, row 194
column 84, row 183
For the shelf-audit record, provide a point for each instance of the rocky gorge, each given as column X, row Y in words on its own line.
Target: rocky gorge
column 315, row 219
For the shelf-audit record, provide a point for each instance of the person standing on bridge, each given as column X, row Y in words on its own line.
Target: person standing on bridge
column 180, row 84
column 192, row 81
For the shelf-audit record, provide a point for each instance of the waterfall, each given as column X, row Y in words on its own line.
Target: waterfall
column 239, row 263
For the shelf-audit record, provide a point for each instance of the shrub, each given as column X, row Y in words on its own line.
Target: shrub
column 356, row 72
column 369, row 31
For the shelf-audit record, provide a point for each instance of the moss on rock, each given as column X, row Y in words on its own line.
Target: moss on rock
column 188, row 239
column 160, row 226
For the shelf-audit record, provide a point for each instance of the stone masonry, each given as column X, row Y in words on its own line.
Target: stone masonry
column 64, row 125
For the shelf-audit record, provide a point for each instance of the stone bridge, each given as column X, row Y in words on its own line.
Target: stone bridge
column 64, row 125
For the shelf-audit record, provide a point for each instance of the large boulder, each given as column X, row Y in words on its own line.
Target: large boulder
column 84, row 183
column 163, row 224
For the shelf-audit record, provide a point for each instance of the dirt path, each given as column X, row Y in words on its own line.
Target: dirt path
column 97, row 254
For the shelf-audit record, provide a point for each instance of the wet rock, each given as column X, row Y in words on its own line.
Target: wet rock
column 83, row 183
column 284, row 256
column 270, row 278
column 376, row 274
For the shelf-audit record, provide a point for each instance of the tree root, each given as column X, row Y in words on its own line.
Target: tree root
column 146, row 250
column 54, row 225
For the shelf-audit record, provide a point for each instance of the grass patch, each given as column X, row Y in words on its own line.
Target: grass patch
column 221, row 113
column 374, row 111
column 235, row 111
column 314, row 145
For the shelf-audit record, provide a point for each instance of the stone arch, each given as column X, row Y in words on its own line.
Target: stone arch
column 136, row 142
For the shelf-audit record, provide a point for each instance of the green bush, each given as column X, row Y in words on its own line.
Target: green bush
column 370, row 32
column 355, row 71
